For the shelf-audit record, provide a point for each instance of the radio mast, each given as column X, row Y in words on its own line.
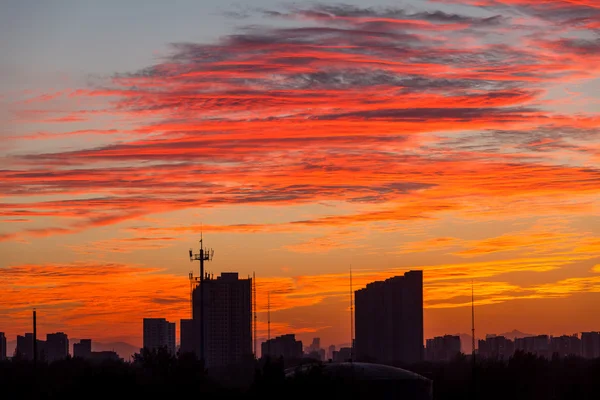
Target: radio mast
column 205, row 254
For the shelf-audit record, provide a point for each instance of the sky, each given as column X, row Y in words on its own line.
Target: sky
column 458, row 137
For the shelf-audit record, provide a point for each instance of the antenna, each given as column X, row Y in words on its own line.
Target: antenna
column 473, row 319
column 254, row 309
column 473, row 369
column 351, row 317
column 269, row 322
column 191, row 276
column 35, row 352
column 203, row 255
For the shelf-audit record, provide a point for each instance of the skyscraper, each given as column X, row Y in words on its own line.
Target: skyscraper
column 227, row 320
column 158, row 332
column 57, row 346
column 590, row 344
column 2, row 346
column 389, row 320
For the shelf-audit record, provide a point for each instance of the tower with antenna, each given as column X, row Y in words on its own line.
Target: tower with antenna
column 351, row 318
column 473, row 320
column 254, row 318
column 269, row 322
column 203, row 255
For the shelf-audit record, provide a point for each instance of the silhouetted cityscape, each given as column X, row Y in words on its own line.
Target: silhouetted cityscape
column 389, row 332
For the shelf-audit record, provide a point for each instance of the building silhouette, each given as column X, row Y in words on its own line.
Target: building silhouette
column 538, row 345
column 57, row 346
column 330, row 351
column 565, row 345
column 189, row 336
column 344, row 354
column 2, row 346
column 103, row 356
column 158, row 332
column 496, row 347
column 442, row 348
column 389, row 320
column 590, row 344
column 284, row 346
column 24, row 347
column 83, row 349
column 227, row 321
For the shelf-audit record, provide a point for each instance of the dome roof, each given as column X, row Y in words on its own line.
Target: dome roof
column 363, row 371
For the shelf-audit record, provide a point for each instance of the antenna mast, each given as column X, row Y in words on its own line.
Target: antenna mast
column 269, row 322
column 351, row 318
column 473, row 319
column 205, row 254
column 254, row 309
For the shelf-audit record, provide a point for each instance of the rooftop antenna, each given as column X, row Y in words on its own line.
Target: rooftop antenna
column 351, row 318
column 205, row 254
column 191, row 276
column 473, row 320
column 473, row 369
column 254, row 309
column 34, row 338
column 269, row 322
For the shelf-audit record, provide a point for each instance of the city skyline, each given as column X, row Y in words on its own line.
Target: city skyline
column 457, row 137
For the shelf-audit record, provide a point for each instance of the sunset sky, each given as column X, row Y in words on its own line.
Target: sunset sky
column 460, row 137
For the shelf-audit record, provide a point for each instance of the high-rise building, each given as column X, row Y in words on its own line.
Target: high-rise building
column 590, row 344
column 158, row 332
column 442, row 348
column 189, row 336
column 343, row 355
column 24, row 348
column 496, row 347
column 565, row 345
column 389, row 320
column 83, row 349
column 2, row 346
column 57, row 346
column 227, row 320
column 330, row 351
column 538, row 345
column 284, row 346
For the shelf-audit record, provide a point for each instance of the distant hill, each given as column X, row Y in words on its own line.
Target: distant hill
column 515, row 334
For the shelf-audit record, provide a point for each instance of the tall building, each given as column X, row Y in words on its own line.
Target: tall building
column 330, row 351
column 343, row 355
column 442, row 348
column 2, row 346
column 284, row 346
column 538, row 345
column 496, row 347
column 227, row 320
column 189, row 340
column 389, row 320
column 25, row 346
column 590, row 344
column 158, row 332
column 57, row 346
column 83, row 349
column 565, row 345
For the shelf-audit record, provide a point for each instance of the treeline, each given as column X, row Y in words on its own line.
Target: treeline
column 156, row 374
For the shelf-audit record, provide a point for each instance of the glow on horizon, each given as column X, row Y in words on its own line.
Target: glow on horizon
column 463, row 142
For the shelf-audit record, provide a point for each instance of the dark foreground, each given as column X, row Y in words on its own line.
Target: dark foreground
column 522, row 377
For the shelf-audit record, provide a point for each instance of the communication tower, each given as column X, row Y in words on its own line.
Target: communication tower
column 205, row 254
